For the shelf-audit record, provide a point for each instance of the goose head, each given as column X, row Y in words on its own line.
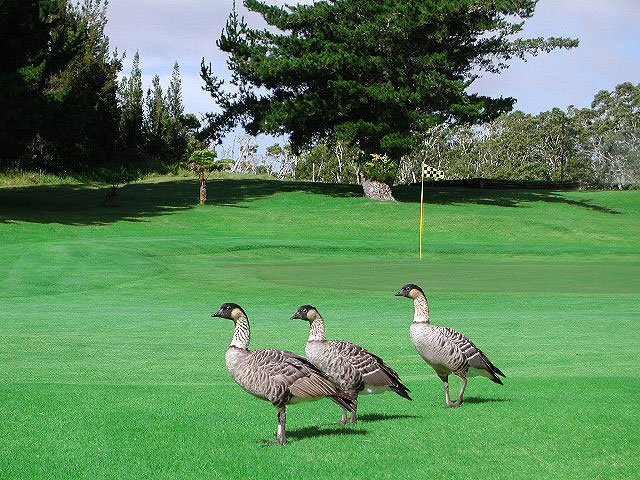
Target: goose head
column 231, row 311
column 410, row 290
column 306, row 312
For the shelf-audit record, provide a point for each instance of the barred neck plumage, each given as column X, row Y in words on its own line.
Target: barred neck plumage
column 241, row 334
column 317, row 331
column 421, row 307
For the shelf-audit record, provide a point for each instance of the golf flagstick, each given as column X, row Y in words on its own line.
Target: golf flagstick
column 434, row 174
column 421, row 209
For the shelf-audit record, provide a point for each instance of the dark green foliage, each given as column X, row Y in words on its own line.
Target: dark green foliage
column 155, row 120
column 62, row 109
column 58, row 110
column 167, row 135
column 174, row 94
column 82, row 127
column 26, row 65
column 372, row 73
column 180, row 129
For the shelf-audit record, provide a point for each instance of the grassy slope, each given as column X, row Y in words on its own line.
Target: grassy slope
column 111, row 367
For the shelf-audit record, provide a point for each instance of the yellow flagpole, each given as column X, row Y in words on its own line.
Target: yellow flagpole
column 421, row 209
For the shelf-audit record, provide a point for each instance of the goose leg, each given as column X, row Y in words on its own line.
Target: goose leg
column 458, row 401
column 353, row 414
column 282, row 425
column 445, row 383
column 344, row 416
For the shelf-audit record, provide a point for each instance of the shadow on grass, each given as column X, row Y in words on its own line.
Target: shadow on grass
column 314, row 431
column 485, row 400
column 516, row 198
column 82, row 204
column 381, row 417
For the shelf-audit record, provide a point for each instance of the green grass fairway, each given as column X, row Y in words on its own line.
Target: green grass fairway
column 111, row 366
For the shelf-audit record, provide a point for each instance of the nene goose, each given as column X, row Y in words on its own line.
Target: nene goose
column 277, row 376
column 356, row 370
column 446, row 350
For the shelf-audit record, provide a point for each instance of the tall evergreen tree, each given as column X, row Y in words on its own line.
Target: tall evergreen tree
column 174, row 104
column 368, row 72
column 132, row 116
column 30, row 56
column 156, row 120
column 156, row 108
column 180, row 131
column 84, row 94
column 58, row 109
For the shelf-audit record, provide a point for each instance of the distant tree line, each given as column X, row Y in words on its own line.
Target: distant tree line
column 63, row 109
column 597, row 146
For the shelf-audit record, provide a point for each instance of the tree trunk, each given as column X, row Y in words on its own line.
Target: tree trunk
column 203, row 190
column 376, row 190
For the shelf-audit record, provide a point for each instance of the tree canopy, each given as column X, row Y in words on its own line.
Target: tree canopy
column 62, row 108
column 369, row 72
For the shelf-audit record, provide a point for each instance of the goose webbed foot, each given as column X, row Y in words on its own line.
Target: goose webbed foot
column 343, row 421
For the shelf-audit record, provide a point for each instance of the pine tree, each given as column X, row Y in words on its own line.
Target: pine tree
column 58, row 82
column 84, row 94
column 180, row 128
column 156, row 120
column 131, row 96
column 156, row 108
column 25, row 35
column 368, row 72
column 174, row 94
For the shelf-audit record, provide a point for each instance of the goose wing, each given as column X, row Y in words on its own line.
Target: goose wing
column 373, row 369
column 290, row 375
column 475, row 357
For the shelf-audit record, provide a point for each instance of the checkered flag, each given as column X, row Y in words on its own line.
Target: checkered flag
column 431, row 172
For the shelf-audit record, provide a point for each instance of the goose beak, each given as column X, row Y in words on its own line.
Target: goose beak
column 217, row 314
column 399, row 294
column 295, row 315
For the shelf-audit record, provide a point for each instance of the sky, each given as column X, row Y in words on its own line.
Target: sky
column 166, row 31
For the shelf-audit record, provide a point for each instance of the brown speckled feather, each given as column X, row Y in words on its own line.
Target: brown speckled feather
column 373, row 369
column 280, row 377
column 475, row 357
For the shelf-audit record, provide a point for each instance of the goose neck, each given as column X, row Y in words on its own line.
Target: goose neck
column 317, row 330
column 241, row 334
column 421, row 309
